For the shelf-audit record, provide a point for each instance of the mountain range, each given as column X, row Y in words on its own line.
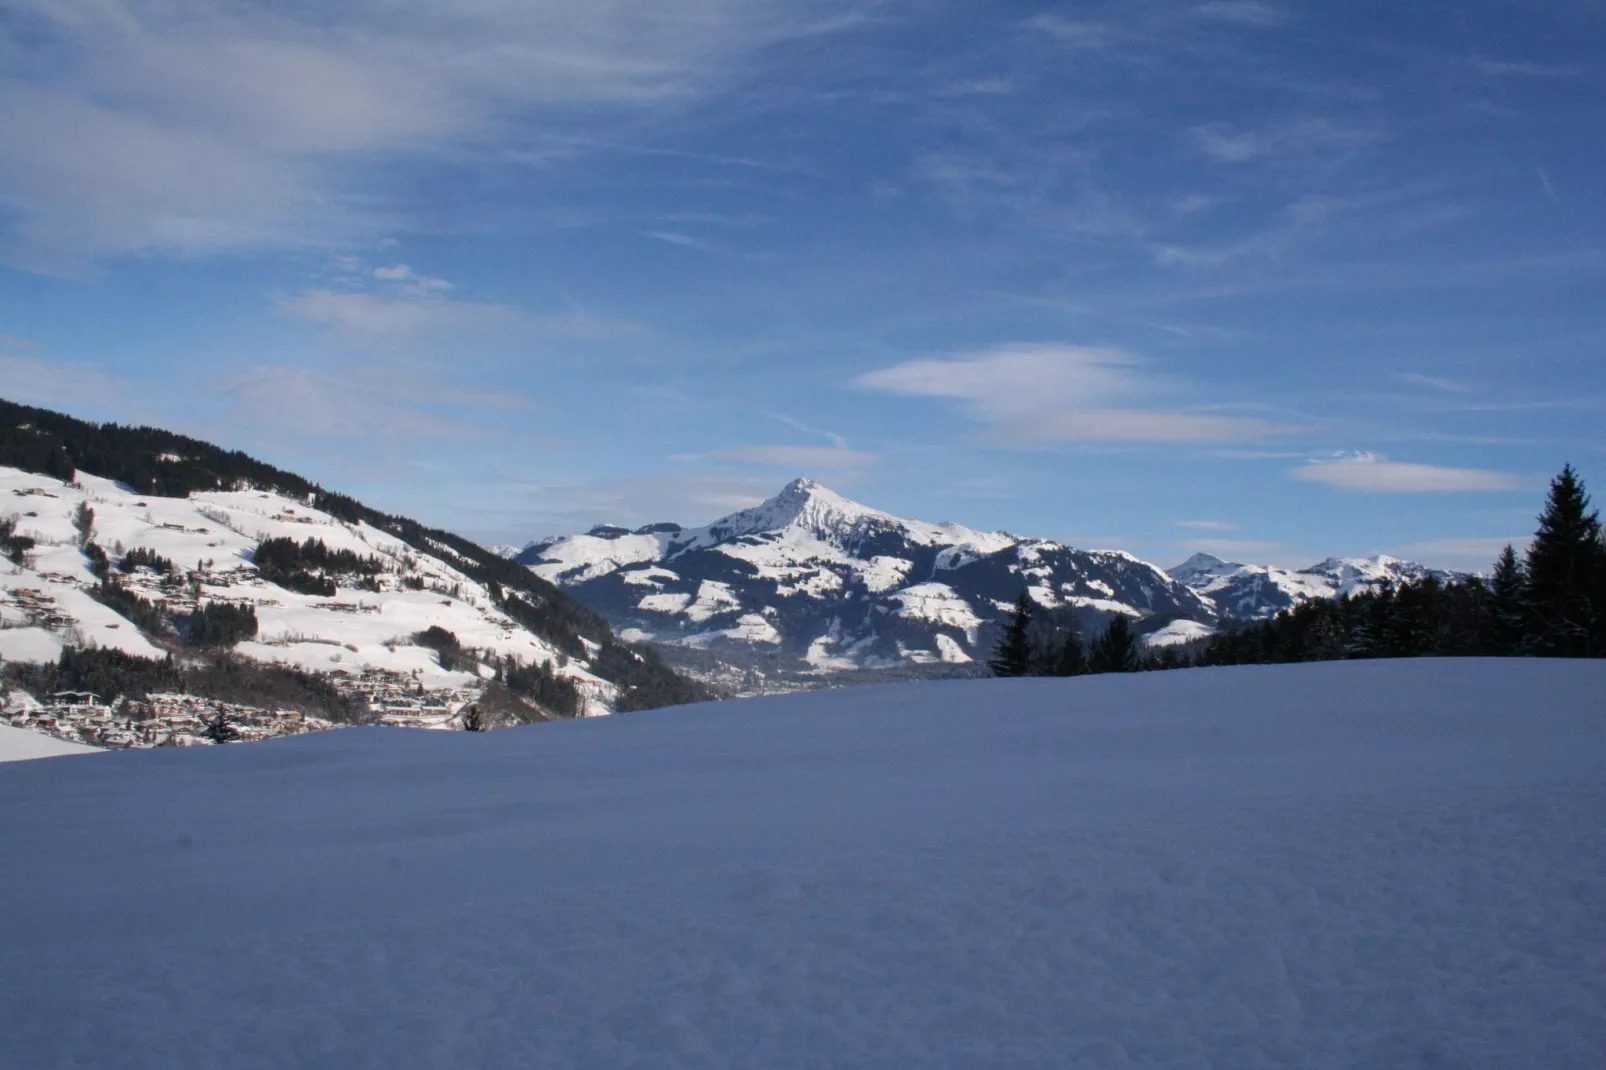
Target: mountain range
column 1255, row 592
column 811, row 583
column 139, row 541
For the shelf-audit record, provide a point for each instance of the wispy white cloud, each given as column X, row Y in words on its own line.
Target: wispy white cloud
column 1033, row 394
column 980, row 87
column 1433, row 382
column 367, row 317
column 800, row 458
column 637, row 500
column 1238, row 547
column 190, row 126
column 1461, row 553
column 1077, row 33
column 411, row 280
column 373, row 404
column 1140, row 425
column 35, row 381
column 793, row 422
column 586, row 327
column 1376, row 474
column 1547, row 185
column 1205, row 525
column 1242, row 12
column 685, row 241
column 1227, row 143
column 1292, row 224
column 1501, row 68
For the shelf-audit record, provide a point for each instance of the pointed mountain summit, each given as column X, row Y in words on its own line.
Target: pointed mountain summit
column 811, row 582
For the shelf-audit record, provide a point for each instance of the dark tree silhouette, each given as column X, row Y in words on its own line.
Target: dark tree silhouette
column 1564, row 567
column 1116, row 650
column 1507, row 607
column 220, row 729
column 1013, row 655
column 1071, row 658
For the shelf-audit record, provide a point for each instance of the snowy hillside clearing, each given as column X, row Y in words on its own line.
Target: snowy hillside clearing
column 1349, row 864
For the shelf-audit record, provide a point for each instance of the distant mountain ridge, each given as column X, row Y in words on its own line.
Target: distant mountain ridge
column 816, row 583
column 1255, row 592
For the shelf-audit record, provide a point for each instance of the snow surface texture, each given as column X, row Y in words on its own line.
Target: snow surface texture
column 1360, row 864
column 1256, row 592
column 215, row 532
column 20, row 744
column 815, row 583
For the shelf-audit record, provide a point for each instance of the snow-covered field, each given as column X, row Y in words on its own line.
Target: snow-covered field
column 1363, row 864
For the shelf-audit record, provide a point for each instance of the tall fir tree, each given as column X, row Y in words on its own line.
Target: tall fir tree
column 1013, row 655
column 1563, row 591
column 1071, row 658
column 1116, row 650
column 1507, row 609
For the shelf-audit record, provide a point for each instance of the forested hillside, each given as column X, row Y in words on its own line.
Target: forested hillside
column 153, row 462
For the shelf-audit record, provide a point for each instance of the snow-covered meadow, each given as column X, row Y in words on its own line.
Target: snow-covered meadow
column 1359, row 864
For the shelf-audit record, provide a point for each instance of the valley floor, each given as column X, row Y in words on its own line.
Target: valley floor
column 1358, row 864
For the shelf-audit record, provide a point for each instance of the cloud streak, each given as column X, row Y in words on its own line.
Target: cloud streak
column 1205, row 525
column 1033, row 394
column 800, row 458
column 367, row 318
column 1229, row 547
column 1373, row 473
column 191, row 127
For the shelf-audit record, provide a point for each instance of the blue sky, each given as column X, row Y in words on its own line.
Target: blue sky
column 1275, row 280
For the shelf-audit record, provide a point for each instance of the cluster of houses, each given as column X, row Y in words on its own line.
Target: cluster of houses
column 39, row 608
column 172, row 720
column 397, row 699
column 158, row 720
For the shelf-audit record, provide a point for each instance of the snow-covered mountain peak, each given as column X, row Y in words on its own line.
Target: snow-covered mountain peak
column 1351, row 574
column 801, row 504
column 806, row 511
column 814, row 581
column 1200, row 564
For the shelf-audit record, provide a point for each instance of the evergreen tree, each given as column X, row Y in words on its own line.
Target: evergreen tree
column 1564, row 567
column 1013, row 655
column 83, row 522
column 220, row 729
column 1071, row 658
column 1116, row 650
column 1507, row 610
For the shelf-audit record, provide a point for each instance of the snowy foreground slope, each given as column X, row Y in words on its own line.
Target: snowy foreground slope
column 1361, row 864
column 19, row 744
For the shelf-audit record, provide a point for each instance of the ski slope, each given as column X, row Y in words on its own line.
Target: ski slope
column 1361, row 864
